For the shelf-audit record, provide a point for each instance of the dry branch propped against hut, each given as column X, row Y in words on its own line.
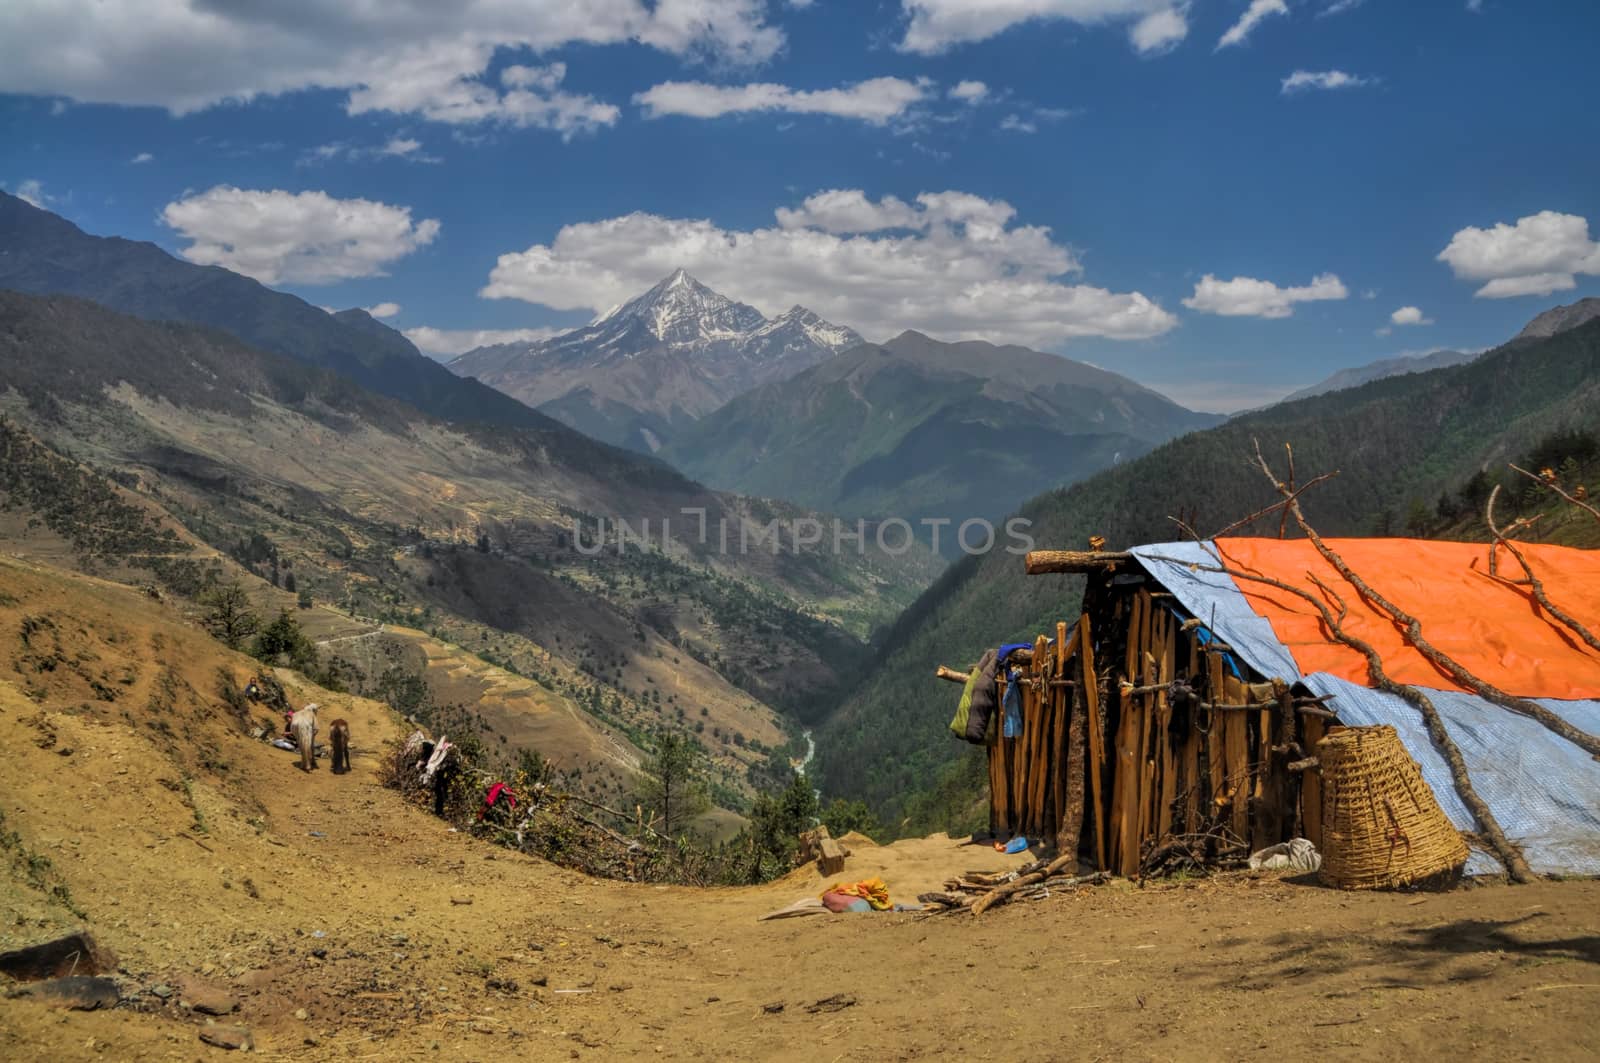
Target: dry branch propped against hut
column 1198, row 699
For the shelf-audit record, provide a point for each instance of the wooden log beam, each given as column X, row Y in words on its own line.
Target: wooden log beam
column 1039, row 562
column 951, row 674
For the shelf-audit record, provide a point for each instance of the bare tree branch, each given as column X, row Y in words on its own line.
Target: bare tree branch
column 1413, row 633
column 1508, row 854
column 1278, row 505
column 1557, row 488
column 1533, row 581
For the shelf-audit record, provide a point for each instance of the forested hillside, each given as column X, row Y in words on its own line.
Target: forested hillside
column 916, row 428
column 1415, row 454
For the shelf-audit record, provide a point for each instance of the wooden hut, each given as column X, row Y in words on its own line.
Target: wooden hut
column 1148, row 743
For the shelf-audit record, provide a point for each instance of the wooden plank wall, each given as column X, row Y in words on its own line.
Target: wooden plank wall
column 1029, row 774
column 1118, row 774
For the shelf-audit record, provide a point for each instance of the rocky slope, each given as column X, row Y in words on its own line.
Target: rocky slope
column 1561, row 318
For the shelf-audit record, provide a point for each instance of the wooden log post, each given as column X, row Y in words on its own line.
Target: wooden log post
column 1070, row 834
column 1097, row 751
column 1039, row 562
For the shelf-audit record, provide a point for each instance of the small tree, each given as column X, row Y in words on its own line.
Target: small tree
column 776, row 823
column 841, row 817
column 229, row 617
column 288, row 582
column 304, row 600
column 672, row 786
column 283, row 638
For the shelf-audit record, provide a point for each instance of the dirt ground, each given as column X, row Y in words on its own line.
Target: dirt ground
column 349, row 925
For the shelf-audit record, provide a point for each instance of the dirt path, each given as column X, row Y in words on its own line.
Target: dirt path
column 1241, row 967
column 325, row 897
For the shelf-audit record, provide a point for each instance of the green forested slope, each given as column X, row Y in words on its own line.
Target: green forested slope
column 1398, row 444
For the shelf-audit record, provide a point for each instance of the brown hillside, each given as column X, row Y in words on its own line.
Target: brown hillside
column 337, row 916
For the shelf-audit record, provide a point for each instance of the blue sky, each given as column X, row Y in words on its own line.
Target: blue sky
column 1105, row 178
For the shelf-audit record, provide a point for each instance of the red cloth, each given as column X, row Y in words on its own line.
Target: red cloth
column 497, row 791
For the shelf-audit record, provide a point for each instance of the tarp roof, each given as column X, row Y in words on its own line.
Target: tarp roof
column 1544, row 790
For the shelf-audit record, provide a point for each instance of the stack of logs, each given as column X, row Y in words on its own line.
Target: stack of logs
column 978, row 891
column 1139, row 739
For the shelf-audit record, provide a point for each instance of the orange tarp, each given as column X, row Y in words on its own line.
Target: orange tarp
column 1494, row 630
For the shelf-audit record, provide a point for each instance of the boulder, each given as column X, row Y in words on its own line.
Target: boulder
column 230, row 1037
column 75, row 954
column 79, row 992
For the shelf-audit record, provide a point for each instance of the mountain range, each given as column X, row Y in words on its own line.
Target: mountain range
column 643, row 371
column 1385, row 367
column 403, row 493
column 916, row 428
column 43, row 253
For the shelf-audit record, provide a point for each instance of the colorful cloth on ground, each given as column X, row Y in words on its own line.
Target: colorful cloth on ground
column 839, row 903
column 872, row 890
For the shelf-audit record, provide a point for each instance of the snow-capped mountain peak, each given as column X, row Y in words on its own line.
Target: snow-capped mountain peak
column 675, row 352
column 682, row 310
column 797, row 324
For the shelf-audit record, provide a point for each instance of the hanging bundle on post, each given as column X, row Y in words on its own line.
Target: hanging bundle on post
column 1381, row 826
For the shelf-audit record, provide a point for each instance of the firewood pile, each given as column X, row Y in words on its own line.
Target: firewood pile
column 978, row 891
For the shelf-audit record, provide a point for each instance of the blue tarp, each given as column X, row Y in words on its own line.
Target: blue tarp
column 1544, row 790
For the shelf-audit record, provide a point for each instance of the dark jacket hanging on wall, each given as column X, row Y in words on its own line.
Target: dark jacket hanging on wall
column 978, row 702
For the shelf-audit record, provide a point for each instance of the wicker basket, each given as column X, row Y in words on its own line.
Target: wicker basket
column 1381, row 826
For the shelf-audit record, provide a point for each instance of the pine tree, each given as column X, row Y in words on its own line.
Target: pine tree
column 672, row 786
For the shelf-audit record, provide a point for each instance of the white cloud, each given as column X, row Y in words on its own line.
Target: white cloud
column 848, row 210
column 1247, row 297
column 1015, row 123
column 1540, row 254
column 1409, row 315
column 949, row 263
column 1339, row 7
column 938, row 25
column 309, row 237
column 445, row 343
column 1252, row 17
column 142, row 158
column 1160, row 31
column 1474, row 5
column 1303, row 80
column 384, row 310
column 407, row 148
column 973, row 92
column 874, row 101
column 421, row 57
column 424, row 84
column 32, row 193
